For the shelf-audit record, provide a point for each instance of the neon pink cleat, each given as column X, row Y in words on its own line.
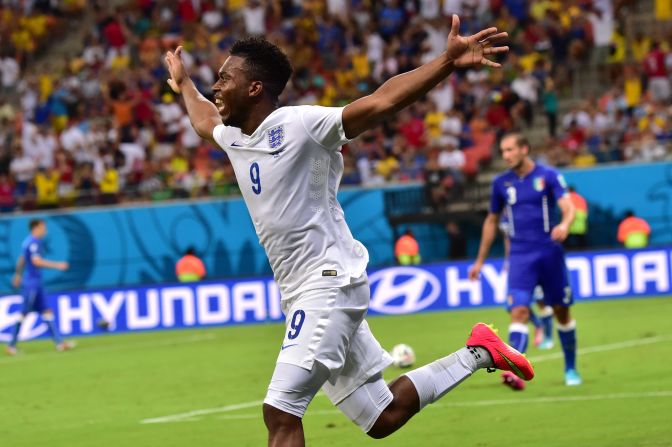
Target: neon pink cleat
column 503, row 356
column 513, row 381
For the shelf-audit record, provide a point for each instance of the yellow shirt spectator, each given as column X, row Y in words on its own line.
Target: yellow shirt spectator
column 663, row 9
column 640, row 48
column 618, row 56
column 360, row 62
column 46, row 186
column 433, row 123
column 109, row 184
column 387, row 167
column 179, row 165
column 633, row 91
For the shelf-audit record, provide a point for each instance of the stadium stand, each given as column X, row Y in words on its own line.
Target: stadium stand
column 99, row 125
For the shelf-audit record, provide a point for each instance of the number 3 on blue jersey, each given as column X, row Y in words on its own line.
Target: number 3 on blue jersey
column 255, row 177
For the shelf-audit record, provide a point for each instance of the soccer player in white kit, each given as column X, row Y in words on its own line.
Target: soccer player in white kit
column 288, row 165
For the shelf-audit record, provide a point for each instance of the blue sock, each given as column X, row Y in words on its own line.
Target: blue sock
column 534, row 319
column 547, row 322
column 567, row 335
column 15, row 334
column 518, row 336
column 51, row 324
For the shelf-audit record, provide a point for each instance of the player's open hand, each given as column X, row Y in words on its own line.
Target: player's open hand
column 176, row 69
column 559, row 232
column 475, row 49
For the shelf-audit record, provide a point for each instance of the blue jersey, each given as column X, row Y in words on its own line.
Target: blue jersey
column 32, row 274
column 528, row 203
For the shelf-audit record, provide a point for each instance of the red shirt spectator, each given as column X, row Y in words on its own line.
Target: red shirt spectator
column 114, row 34
column 654, row 63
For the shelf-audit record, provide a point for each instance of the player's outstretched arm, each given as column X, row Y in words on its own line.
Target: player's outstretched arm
column 404, row 89
column 202, row 113
column 487, row 238
column 45, row 263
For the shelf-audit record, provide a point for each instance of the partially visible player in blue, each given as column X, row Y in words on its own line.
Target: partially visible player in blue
column 527, row 194
column 29, row 276
column 543, row 326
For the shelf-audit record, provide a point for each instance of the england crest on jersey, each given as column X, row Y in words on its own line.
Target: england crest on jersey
column 276, row 136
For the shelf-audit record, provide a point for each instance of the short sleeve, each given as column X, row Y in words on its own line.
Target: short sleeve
column 557, row 184
column 324, row 125
column 496, row 200
column 34, row 249
column 220, row 134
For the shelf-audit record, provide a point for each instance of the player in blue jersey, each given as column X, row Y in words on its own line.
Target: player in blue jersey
column 543, row 324
column 29, row 276
column 527, row 194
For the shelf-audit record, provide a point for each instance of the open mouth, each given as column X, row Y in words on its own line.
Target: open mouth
column 219, row 103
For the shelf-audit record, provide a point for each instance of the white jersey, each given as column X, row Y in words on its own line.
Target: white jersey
column 288, row 171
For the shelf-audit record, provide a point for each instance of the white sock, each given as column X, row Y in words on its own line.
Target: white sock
column 434, row 380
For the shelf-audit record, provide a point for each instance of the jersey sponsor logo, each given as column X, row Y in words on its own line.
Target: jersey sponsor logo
column 329, row 273
column 283, row 347
column 236, row 144
column 401, row 290
column 539, row 184
column 276, row 136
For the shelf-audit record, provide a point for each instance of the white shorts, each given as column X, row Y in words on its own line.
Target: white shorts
column 326, row 333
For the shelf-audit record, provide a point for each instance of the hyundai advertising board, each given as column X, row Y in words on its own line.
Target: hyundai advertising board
column 394, row 291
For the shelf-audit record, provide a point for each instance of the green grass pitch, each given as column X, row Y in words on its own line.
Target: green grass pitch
column 212, row 380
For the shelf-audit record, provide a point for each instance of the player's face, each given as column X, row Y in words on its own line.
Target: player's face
column 231, row 92
column 40, row 230
column 513, row 154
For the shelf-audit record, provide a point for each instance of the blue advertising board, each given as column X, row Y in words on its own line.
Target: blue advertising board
column 394, row 290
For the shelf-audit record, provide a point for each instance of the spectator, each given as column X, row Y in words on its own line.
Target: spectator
column 7, row 200
column 656, row 71
column 633, row 232
column 407, row 250
column 190, row 268
column 46, row 187
column 579, row 228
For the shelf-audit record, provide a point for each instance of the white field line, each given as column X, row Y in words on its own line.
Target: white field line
column 604, row 348
column 114, row 347
column 182, row 417
column 191, row 414
column 488, row 403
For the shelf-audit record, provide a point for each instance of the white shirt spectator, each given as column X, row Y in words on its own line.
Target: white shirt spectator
column 10, row 70
column 170, row 114
column 212, row 19
column 451, row 158
column 72, row 138
column 338, row 7
column 603, row 28
column 526, row 87
column 581, row 117
column 443, row 96
column 23, row 168
column 93, row 54
column 436, row 42
column 451, row 128
column 188, row 137
column 430, row 9
column 254, row 17
column 452, row 7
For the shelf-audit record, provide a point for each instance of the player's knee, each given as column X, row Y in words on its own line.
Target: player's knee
column 520, row 314
column 277, row 420
column 562, row 314
column 48, row 316
column 382, row 427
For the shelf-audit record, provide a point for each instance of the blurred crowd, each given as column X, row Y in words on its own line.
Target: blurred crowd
column 103, row 126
